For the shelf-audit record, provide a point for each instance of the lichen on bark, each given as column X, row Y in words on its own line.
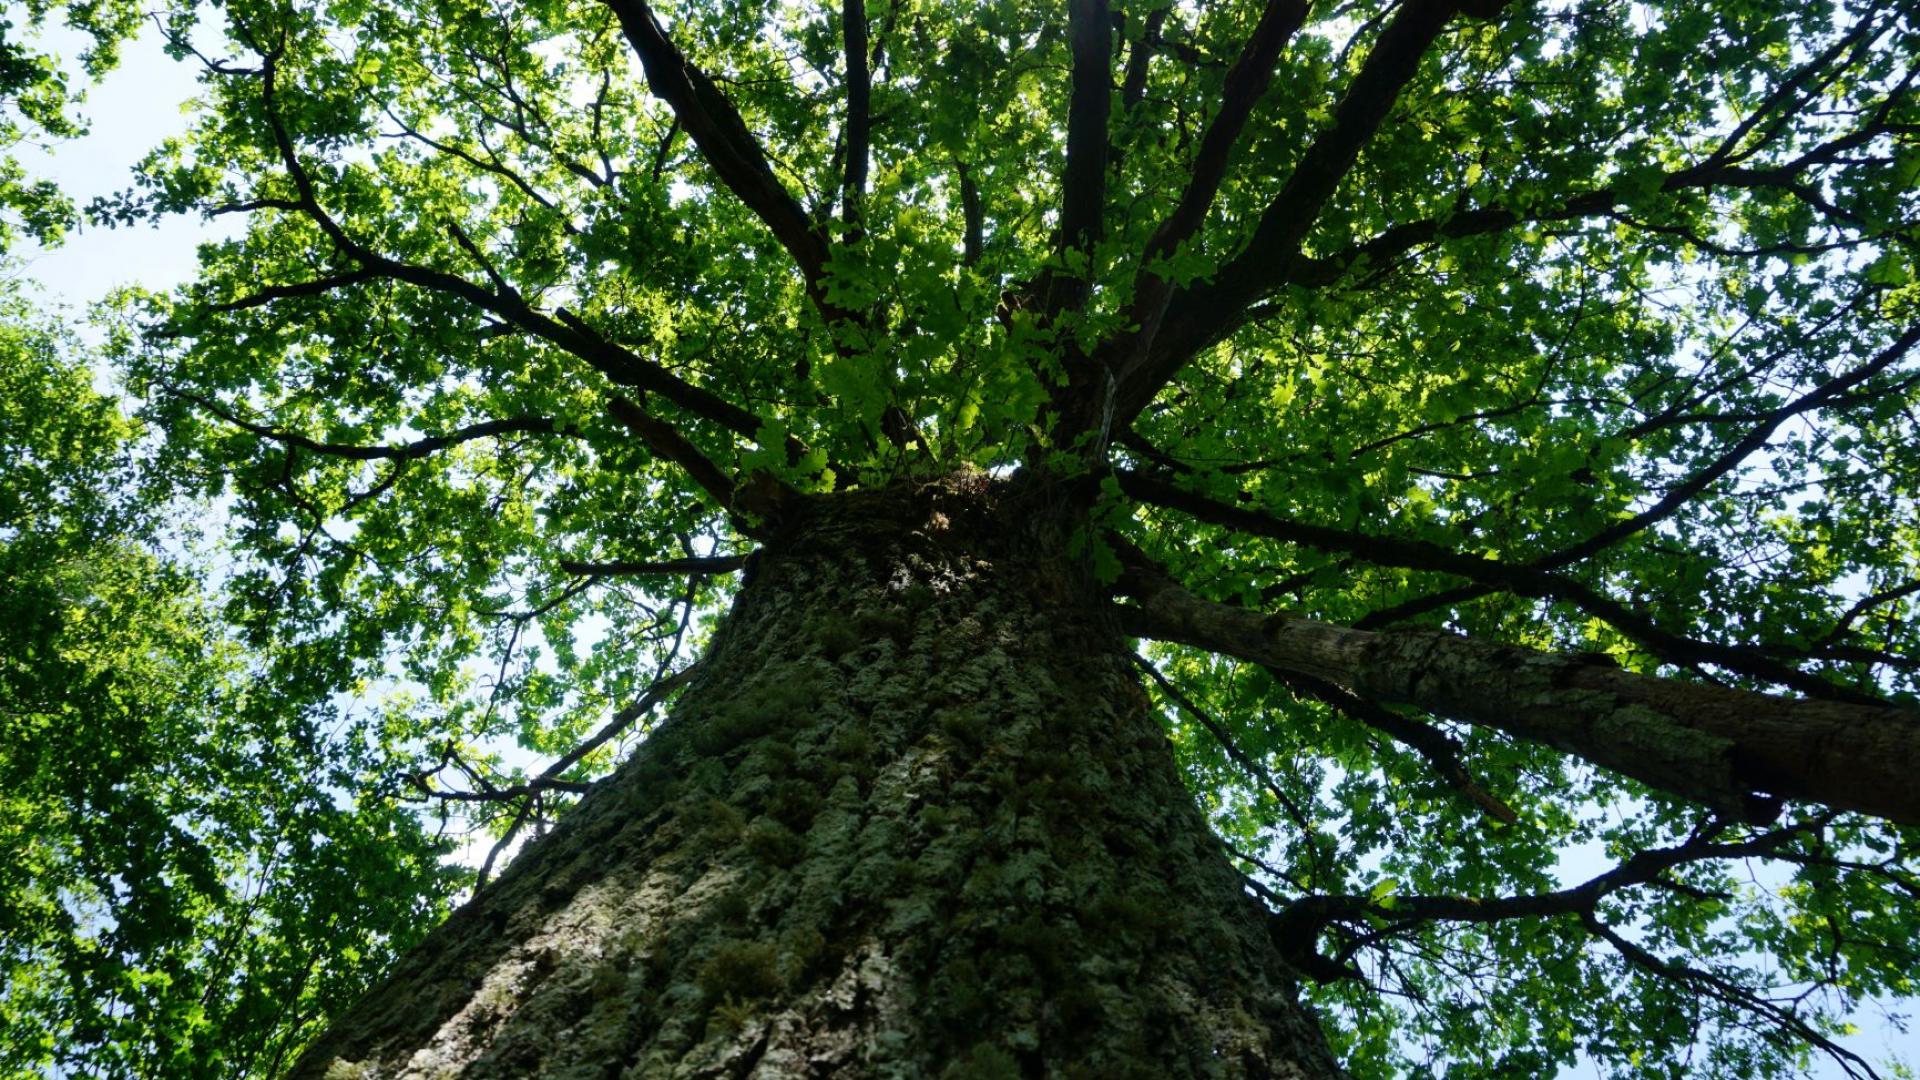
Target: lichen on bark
column 914, row 818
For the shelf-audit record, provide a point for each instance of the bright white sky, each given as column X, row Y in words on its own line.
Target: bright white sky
column 142, row 103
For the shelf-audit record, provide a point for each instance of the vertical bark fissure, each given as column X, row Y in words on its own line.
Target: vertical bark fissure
column 913, row 818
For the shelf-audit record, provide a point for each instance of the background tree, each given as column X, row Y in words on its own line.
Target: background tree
column 175, row 849
column 1504, row 412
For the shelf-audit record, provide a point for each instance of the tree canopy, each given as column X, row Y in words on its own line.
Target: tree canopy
column 1584, row 329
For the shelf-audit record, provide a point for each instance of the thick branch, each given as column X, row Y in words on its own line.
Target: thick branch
column 1206, row 313
column 1084, row 190
column 1246, row 81
column 1275, row 244
column 859, row 129
column 973, row 214
column 725, row 141
column 1133, row 87
column 666, row 441
column 1728, row 749
column 718, row 564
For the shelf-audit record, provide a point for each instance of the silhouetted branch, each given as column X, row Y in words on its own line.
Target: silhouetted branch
column 859, row 123
column 1083, row 192
column 316, row 287
column 706, row 114
column 1488, row 574
column 1295, row 813
column 718, row 564
column 413, row 451
column 1440, row 750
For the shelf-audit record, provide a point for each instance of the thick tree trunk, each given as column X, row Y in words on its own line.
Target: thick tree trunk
column 913, row 818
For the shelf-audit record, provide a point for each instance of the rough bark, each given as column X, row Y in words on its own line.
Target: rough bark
column 913, row 818
column 1735, row 750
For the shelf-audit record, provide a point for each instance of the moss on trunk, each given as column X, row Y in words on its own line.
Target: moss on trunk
column 913, row 818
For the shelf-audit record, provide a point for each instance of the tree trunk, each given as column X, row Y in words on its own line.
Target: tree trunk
column 912, row 818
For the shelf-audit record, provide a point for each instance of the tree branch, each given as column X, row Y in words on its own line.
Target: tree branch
column 552, row 778
column 1731, row 993
column 1696, row 482
column 1295, row 813
column 1733, row 750
column 1488, row 575
column 413, row 451
column 1133, row 85
column 1673, row 501
column 1441, row 751
column 490, row 164
column 716, row 127
column 1309, row 913
column 667, row 442
column 316, row 287
column 569, row 333
column 1083, row 194
column 859, row 124
column 619, row 721
column 1246, row 82
column 718, row 564
column 1269, row 256
column 1204, row 314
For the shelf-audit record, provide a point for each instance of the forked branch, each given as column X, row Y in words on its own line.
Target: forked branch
column 1286, row 221
column 1206, row 313
column 1246, row 81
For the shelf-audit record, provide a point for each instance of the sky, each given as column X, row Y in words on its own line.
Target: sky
column 143, row 102
column 129, row 113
